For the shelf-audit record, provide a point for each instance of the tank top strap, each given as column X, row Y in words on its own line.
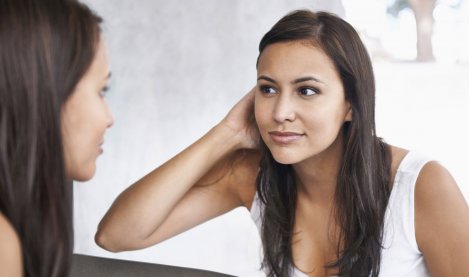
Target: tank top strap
column 400, row 214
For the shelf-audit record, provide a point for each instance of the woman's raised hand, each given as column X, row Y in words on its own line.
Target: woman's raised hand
column 165, row 202
column 241, row 122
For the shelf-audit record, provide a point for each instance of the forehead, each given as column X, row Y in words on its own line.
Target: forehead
column 98, row 71
column 294, row 59
column 100, row 62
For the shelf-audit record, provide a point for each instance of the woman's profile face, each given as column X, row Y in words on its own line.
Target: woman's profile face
column 300, row 104
column 85, row 118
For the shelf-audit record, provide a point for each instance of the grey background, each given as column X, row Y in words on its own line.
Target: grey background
column 177, row 68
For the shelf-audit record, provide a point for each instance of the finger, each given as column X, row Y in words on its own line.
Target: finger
column 252, row 93
column 248, row 97
column 249, row 94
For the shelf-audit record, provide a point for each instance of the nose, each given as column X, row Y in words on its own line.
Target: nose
column 284, row 108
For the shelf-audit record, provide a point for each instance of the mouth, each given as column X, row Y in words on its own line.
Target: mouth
column 285, row 137
column 100, row 146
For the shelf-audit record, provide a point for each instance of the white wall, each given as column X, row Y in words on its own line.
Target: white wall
column 177, row 67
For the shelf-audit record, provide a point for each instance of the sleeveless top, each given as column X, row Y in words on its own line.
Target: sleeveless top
column 400, row 255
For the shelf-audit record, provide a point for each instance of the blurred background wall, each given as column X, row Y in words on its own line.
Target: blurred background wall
column 178, row 66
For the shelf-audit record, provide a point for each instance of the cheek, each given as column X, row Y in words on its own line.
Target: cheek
column 324, row 122
column 80, row 157
column 80, row 145
column 70, row 136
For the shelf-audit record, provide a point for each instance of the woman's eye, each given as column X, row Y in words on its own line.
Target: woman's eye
column 308, row 91
column 267, row 90
column 103, row 92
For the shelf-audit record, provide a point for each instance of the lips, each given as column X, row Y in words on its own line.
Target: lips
column 285, row 137
column 101, row 147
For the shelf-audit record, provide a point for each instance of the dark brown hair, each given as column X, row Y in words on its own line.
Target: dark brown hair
column 363, row 190
column 46, row 46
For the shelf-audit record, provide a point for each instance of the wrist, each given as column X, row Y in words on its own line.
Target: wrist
column 228, row 137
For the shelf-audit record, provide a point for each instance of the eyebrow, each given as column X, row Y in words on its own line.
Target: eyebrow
column 108, row 76
column 296, row 81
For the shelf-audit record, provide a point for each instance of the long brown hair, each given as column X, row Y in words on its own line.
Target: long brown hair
column 363, row 190
column 46, row 46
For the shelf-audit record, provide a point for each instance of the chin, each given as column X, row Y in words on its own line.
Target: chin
column 283, row 158
column 84, row 174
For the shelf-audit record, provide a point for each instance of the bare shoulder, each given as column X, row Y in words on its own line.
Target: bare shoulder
column 435, row 186
column 243, row 178
column 10, row 250
column 441, row 222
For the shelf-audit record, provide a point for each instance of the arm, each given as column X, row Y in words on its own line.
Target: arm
column 11, row 262
column 441, row 222
column 209, row 178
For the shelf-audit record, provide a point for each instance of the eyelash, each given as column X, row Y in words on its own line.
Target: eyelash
column 104, row 91
column 264, row 89
column 300, row 90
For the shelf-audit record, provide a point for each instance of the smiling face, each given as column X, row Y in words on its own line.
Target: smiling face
column 85, row 118
column 300, row 104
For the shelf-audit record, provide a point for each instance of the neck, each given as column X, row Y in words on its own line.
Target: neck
column 316, row 177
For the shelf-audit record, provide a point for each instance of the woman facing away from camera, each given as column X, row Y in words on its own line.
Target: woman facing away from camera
column 53, row 116
column 328, row 196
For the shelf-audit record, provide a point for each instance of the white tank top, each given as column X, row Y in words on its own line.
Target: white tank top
column 400, row 255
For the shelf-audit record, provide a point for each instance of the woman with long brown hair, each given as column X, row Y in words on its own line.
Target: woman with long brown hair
column 53, row 70
column 301, row 152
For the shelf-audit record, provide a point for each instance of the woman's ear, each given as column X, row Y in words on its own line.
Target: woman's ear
column 348, row 116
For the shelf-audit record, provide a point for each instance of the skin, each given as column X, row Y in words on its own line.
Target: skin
column 85, row 117
column 300, row 106
column 11, row 262
column 300, row 109
column 441, row 222
column 221, row 167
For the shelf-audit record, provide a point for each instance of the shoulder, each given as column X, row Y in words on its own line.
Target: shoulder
column 441, row 221
column 434, row 186
column 436, row 192
column 10, row 250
